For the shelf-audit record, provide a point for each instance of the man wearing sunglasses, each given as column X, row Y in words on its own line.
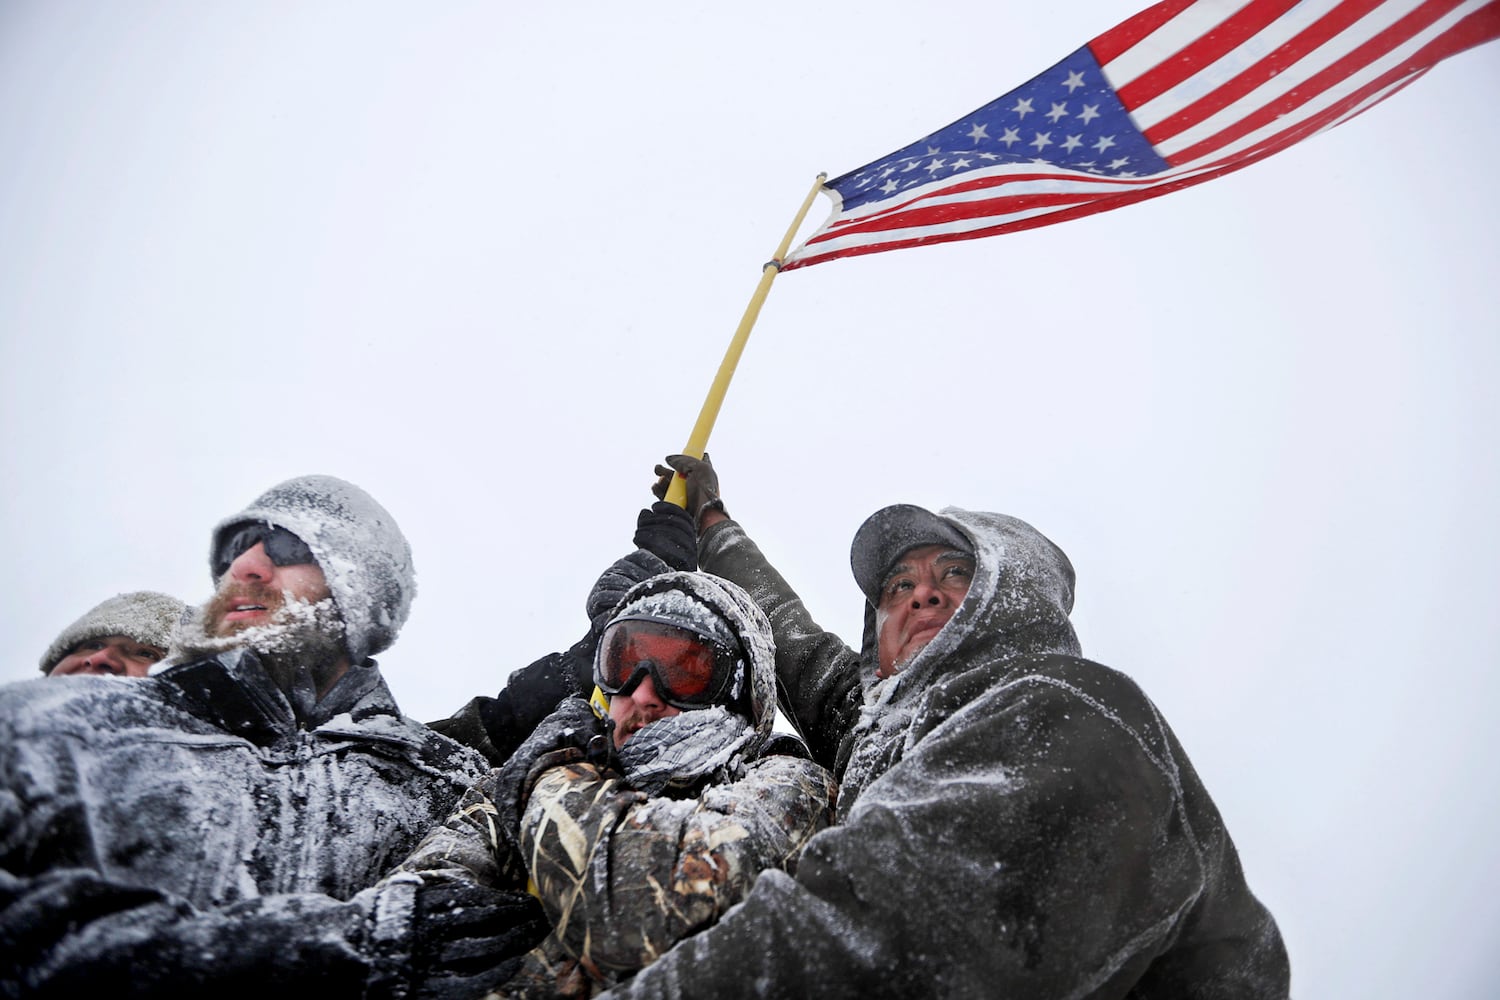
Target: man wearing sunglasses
column 219, row 825
column 646, row 828
column 1013, row 820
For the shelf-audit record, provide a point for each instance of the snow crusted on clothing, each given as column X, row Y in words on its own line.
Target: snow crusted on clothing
column 184, row 834
column 1015, row 820
column 683, row 749
column 625, row 866
column 1018, row 603
column 198, row 781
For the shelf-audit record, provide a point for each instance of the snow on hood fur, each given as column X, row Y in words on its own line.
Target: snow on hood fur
column 707, row 603
column 143, row 615
column 1018, row 601
column 358, row 545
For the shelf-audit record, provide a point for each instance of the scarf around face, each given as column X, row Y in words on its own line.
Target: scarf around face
column 678, row 752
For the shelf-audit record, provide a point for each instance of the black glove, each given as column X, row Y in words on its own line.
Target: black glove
column 612, row 585
column 573, row 724
column 468, row 938
column 702, row 483
column 496, row 726
column 666, row 531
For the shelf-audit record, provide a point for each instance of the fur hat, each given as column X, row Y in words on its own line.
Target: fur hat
column 359, row 547
column 144, row 615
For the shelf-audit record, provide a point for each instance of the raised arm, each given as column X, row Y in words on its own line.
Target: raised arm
column 818, row 675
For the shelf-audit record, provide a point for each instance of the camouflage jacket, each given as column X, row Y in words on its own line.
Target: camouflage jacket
column 623, row 877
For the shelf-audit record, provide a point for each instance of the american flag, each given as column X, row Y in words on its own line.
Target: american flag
column 1181, row 93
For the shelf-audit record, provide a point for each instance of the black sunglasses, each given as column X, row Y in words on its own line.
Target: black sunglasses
column 282, row 547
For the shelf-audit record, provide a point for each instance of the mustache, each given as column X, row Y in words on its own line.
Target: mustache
column 294, row 626
column 235, row 595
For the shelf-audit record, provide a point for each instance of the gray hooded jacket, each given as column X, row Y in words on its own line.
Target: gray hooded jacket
column 183, row 830
column 1015, row 821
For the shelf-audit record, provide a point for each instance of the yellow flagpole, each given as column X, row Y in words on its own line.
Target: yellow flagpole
column 698, row 440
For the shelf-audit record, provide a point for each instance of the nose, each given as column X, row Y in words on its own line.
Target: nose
column 107, row 658
column 252, row 564
column 645, row 696
column 926, row 592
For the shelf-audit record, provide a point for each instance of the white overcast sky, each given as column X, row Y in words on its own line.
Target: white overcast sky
column 483, row 259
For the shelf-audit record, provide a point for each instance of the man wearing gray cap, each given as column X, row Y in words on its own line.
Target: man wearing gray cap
column 123, row 636
column 1013, row 819
column 222, row 824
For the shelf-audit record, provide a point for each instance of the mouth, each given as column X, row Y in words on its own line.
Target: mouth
column 925, row 630
column 244, row 611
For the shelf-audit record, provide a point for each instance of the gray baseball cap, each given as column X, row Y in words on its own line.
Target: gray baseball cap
column 890, row 533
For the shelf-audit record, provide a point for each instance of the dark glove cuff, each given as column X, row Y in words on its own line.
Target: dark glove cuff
column 714, row 504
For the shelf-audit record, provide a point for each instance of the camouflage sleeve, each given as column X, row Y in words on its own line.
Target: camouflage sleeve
column 623, row 877
column 468, row 846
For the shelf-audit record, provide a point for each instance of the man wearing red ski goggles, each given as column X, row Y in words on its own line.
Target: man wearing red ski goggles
column 654, row 669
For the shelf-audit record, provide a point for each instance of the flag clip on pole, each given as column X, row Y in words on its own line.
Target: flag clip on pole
column 698, row 440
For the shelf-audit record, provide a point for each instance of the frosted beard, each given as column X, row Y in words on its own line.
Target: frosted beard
column 301, row 644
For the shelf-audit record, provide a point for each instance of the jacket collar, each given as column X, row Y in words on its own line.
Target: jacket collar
column 234, row 692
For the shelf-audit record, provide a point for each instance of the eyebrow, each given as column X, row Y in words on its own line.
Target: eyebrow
column 951, row 555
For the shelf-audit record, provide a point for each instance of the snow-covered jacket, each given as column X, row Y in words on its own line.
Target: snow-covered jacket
column 623, row 875
column 149, row 825
column 1015, row 821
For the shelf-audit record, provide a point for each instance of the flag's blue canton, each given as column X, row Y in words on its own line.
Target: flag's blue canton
column 1068, row 116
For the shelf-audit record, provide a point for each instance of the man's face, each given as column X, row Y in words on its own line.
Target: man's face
column 632, row 712
column 254, row 589
column 111, row 655
column 919, row 595
column 655, row 669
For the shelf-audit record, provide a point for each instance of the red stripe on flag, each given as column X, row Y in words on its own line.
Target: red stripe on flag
column 1320, row 82
column 1202, row 51
column 1479, row 27
column 1475, row 29
column 1290, row 53
column 913, row 204
column 1127, row 34
column 1000, row 204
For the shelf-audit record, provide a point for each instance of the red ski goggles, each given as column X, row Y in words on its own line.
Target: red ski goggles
column 689, row 670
